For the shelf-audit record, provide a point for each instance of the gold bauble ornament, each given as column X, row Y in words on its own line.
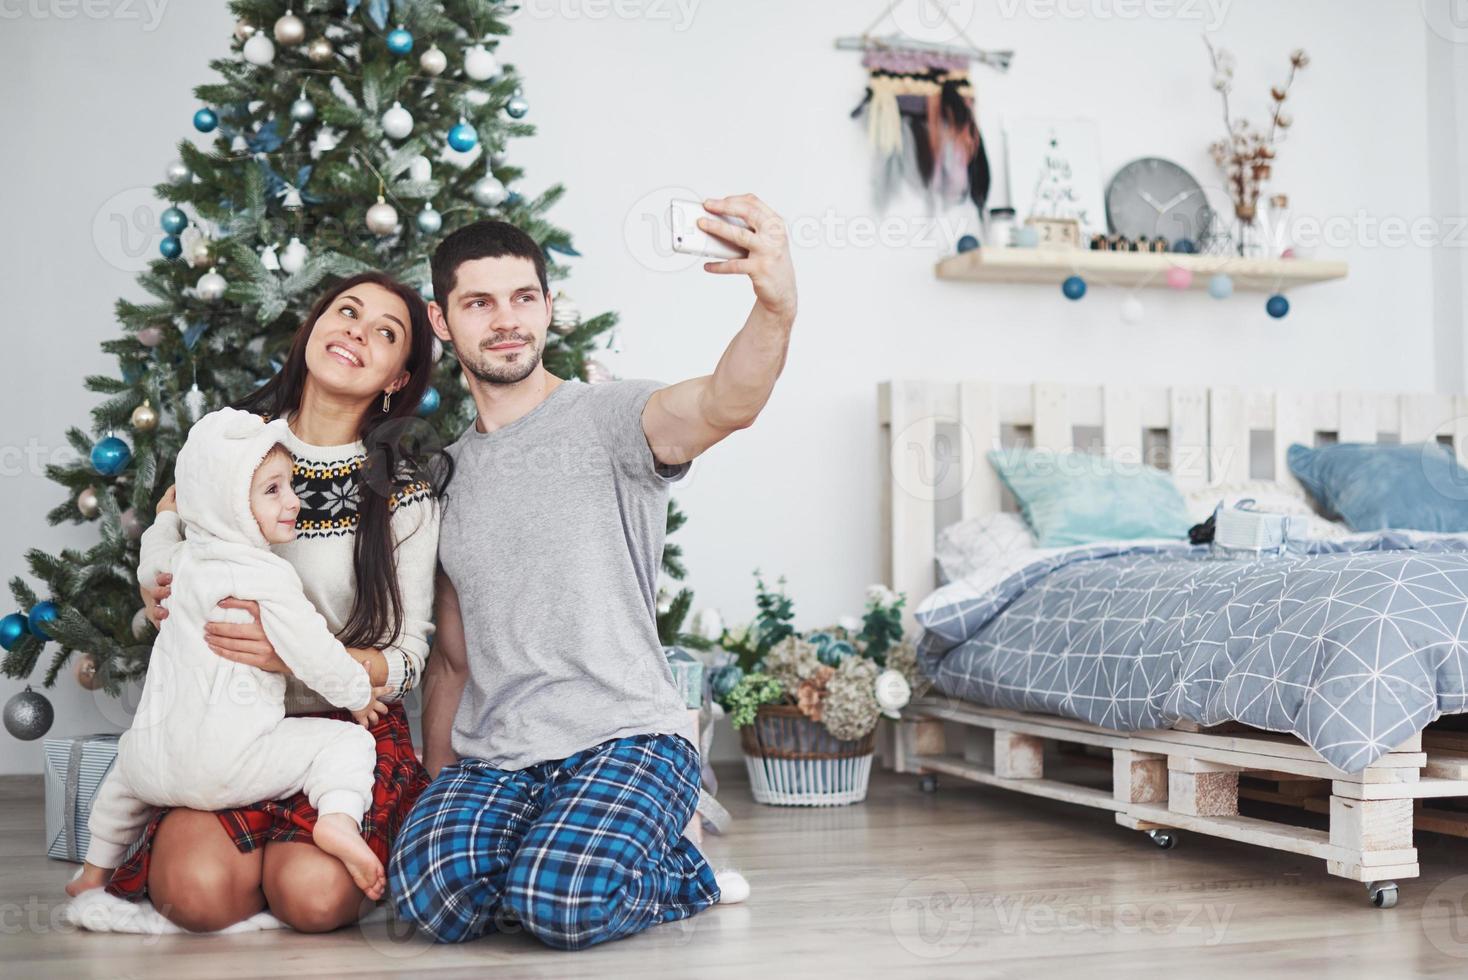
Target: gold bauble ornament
column 145, row 418
column 88, row 504
column 86, row 672
column 243, row 30
column 320, row 51
column 290, row 30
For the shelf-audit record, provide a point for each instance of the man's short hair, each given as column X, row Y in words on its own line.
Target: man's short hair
column 487, row 239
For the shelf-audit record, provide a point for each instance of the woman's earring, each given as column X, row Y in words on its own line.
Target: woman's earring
column 386, row 400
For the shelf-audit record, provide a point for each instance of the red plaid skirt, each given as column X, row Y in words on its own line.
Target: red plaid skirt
column 398, row 780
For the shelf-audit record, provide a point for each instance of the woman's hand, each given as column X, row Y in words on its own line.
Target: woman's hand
column 375, row 709
column 244, row 644
column 169, row 501
column 152, row 597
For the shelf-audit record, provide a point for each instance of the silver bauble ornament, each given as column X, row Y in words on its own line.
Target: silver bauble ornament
column 565, row 315
column 178, row 172
column 198, row 253
column 86, row 672
column 435, row 351
column 145, row 418
column 293, row 257
column 488, row 191
column 382, row 218
column 290, row 30
column 498, row 158
column 517, row 107
column 150, row 336
column 433, row 61
column 132, row 528
column 397, row 122
column 420, row 170
column 211, row 286
column 88, row 504
column 194, row 402
column 303, row 110
column 28, row 715
column 597, row 372
column 243, row 31
column 320, row 51
column 259, row 50
column 429, row 220
column 479, row 64
column 141, row 623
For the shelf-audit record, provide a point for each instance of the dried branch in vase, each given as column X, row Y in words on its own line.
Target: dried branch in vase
column 1246, row 154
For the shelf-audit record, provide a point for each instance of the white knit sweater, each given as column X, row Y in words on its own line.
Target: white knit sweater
column 326, row 478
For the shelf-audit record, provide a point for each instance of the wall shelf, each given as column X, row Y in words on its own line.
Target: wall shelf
column 1132, row 269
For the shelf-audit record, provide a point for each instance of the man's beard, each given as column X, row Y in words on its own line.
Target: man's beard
column 509, row 373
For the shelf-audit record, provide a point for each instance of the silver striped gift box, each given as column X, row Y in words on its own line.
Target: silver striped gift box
column 75, row 768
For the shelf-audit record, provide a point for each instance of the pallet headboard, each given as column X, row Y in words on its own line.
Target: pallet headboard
column 935, row 435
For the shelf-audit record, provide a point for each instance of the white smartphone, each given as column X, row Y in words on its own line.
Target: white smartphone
column 690, row 239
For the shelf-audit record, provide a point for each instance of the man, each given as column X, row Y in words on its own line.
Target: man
column 561, row 788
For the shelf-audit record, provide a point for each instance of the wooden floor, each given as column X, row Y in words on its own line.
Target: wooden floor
column 971, row 881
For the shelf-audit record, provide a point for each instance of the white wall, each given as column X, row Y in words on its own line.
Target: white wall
column 751, row 96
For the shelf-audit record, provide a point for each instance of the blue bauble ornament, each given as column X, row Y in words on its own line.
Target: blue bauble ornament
column 206, row 120
column 1221, row 286
column 42, row 613
column 173, row 220
column 1185, row 246
column 400, row 41
column 111, row 456
column 170, row 247
column 12, row 628
column 517, row 107
column 1073, row 287
column 429, row 403
column 463, row 137
column 724, row 680
column 967, row 244
column 1277, row 307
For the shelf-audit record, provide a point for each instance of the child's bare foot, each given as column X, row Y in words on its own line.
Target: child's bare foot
column 337, row 835
column 91, row 877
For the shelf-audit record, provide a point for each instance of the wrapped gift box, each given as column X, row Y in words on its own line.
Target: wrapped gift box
column 687, row 675
column 75, row 768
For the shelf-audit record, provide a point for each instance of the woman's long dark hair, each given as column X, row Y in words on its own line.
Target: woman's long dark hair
column 402, row 451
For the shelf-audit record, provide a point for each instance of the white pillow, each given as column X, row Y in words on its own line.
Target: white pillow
column 1268, row 495
column 979, row 541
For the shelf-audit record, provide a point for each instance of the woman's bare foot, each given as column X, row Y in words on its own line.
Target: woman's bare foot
column 337, row 835
column 91, row 877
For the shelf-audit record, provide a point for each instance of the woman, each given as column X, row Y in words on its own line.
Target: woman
column 366, row 551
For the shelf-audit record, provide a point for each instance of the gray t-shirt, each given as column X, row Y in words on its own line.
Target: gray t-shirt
column 552, row 534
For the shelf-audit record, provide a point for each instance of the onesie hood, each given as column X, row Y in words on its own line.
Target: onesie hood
column 213, row 474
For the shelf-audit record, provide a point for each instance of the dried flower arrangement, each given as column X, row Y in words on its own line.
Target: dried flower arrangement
column 1246, row 154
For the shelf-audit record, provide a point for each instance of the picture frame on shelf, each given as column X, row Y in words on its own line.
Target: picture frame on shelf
column 1053, row 170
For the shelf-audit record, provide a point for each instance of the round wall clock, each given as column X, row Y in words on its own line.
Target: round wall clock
column 1155, row 198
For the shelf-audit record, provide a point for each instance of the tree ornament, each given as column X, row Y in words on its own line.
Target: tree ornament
column 429, row 220
column 42, row 615
column 303, row 110
column 198, row 252
column 517, row 107
column 707, row 623
column 420, row 170
column 206, row 120
column 565, row 315
column 1074, row 287
column 462, row 136
column 150, row 336
column 13, row 628
column 488, row 191
column 597, row 372
column 400, row 40
column 211, row 286
column 132, row 528
column 382, row 218
column 1179, row 278
column 110, row 456
column 290, row 30
column 269, row 257
column 967, row 244
column 292, row 200
column 435, row 351
column 476, row 97
column 429, row 403
column 170, row 247
column 1221, row 286
column 479, row 64
column 1131, row 311
column 433, row 62
column 178, row 172
column 28, row 715
column 144, row 418
column 173, row 220
column 293, row 257
column 86, row 672
column 141, row 623
column 397, row 122
column 259, row 50
column 87, row 503
column 194, row 402
column 320, row 51
column 1277, row 306
column 243, row 30
column 498, row 158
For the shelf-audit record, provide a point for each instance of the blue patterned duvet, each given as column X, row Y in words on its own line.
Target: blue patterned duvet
column 1353, row 646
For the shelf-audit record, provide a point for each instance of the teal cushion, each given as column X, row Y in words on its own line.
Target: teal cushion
column 1417, row 487
column 1078, row 498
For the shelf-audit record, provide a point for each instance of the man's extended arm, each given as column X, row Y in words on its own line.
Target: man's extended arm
column 684, row 419
column 443, row 678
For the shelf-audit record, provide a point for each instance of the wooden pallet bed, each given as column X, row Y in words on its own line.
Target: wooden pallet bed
column 1164, row 781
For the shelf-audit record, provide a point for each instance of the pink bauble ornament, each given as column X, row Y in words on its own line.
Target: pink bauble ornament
column 150, row 336
column 1179, row 278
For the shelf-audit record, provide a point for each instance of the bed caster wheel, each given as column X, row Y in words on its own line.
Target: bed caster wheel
column 1165, row 839
column 1383, row 894
column 928, row 783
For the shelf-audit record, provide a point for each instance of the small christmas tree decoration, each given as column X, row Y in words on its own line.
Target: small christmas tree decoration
column 290, row 30
column 132, row 528
column 41, row 616
column 400, row 41
column 320, row 51
column 144, row 418
column 462, row 136
column 429, row 220
column 195, row 402
column 420, row 169
column 382, row 218
column 170, row 247
column 517, row 107
column 198, row 251
column 397, row 122
column 12, row 629
column 479, row 64
column 1277, row 306
column 597, row 372
column 86, row 672
column 303, row 110
column 565, row 315
column 28, row 715
column 1221, row 286
column 178, row 173
column 1131, row 311
column 429, row 403
column 259, row 50
column 211, row 286
column 1074, row 287
column 150, row 336
column 433, row 62
column 293, row 257
column 173, row 220
column 141, row 624
column 488, row 191
column 88, row 504
column 110, row 456
column 206, row 120
column 243, row 30
column 967, row 244
column 1179, row 278
column 270, row 257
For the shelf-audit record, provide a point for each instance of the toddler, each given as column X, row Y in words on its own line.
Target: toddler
column 211, row 733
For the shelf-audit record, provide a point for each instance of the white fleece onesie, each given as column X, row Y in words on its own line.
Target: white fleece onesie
column 210, row 733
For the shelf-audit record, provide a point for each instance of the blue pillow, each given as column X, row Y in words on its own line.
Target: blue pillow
column 1417, row 487
column 1078, row 498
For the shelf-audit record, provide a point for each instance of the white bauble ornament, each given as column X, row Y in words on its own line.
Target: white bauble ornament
column 88, row 504
column 893, row 692
column 382, row 218
column 269, row 259
column 488, row 191
column 141, row 625
column 259, row 50
column 293, row 257
column 397, row 122
column 476, row 97
column 433, row 61
column 479, row 64
column 420, row 170
column 1131, row 311
column 290, row 30
column 178, row 172
column 708, row 624
column 211, row 286
column 303, row 110
column 430, row 222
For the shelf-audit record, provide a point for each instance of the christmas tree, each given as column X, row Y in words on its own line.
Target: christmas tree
column 342, row 135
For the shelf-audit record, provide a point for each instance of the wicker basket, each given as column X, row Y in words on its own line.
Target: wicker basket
column 793, row 761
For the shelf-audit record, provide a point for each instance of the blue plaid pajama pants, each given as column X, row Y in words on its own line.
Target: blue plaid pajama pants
column 576, row 852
